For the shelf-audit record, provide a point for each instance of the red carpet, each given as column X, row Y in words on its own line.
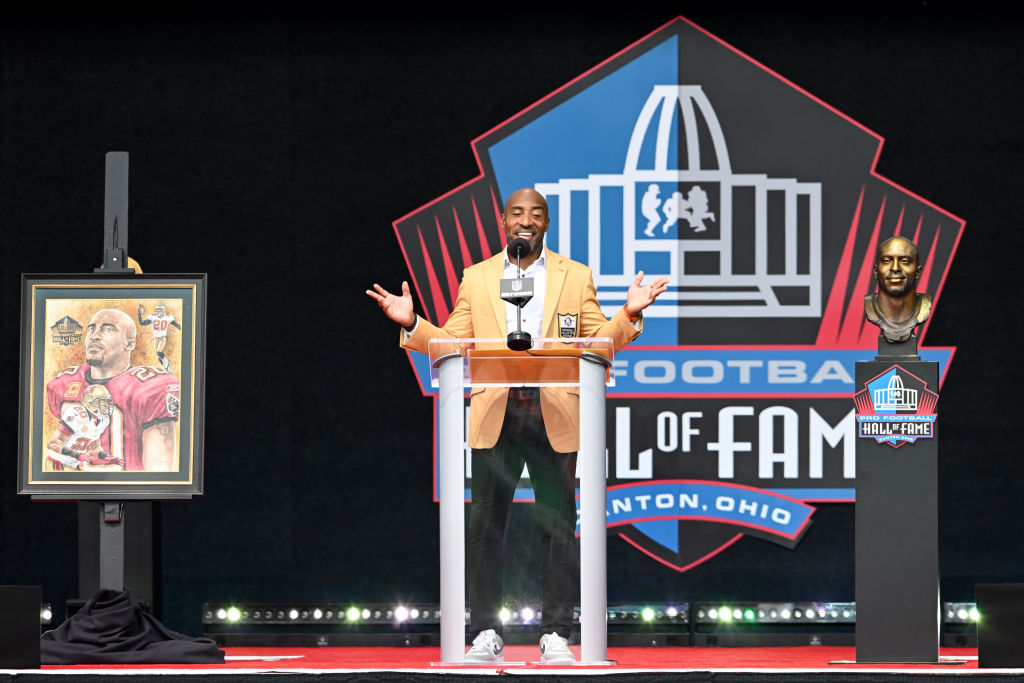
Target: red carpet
column 628, row 658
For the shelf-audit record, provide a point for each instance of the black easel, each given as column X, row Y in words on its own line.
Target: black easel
column 115, row 538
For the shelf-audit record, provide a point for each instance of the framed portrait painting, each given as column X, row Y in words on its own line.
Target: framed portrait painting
column 112, row 370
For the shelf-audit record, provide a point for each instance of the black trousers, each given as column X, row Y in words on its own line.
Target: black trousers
column 496, row 473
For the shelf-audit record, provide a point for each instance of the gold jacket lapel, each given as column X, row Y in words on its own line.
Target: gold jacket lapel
column 555, row 276
column 494, row 270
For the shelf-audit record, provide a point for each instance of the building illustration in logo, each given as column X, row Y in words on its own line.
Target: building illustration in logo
column 66, row 331
column 731, row 415
column 895, row 396
column 678, row 209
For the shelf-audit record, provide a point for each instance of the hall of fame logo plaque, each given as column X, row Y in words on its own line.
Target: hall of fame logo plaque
column 896, row 408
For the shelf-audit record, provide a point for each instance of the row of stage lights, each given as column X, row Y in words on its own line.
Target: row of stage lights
column 378, row 614
column 776, row 612
column 283, row 614
column 813, row 612
column 702, row 613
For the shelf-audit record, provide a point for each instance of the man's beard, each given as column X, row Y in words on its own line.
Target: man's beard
column 896, row 291
column 94, row 362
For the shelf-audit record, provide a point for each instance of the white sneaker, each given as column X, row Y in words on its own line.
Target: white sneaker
column 554, row 649
column 487, row 647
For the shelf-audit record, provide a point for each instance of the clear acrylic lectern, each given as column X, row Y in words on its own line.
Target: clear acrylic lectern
column 583, row 362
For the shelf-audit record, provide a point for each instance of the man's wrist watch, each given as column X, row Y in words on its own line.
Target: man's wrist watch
column 632, row 318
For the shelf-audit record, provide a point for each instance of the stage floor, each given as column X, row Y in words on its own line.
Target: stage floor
column 718, row 664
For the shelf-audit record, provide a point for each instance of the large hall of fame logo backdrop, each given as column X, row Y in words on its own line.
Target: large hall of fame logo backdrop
column 682, row 156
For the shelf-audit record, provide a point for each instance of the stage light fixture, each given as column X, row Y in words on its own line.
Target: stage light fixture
column 650, row 624
column 960, row 613
column 757, row 624
column 46, row 614
column 960, row 624
column 764, row 612
column 265, row 614
column 526, row 615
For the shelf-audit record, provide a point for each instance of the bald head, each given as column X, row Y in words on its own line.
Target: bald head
column 527, row 198
column 901, row 242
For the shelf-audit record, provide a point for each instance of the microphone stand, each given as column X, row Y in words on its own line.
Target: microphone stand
column 519, row 340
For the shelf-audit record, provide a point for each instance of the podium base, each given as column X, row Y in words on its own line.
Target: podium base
column 519, row 341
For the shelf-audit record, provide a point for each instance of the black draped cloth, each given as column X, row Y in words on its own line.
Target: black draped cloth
column 111, row 629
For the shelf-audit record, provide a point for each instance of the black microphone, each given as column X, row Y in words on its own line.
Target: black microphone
column 518, row 291
column 519, row 247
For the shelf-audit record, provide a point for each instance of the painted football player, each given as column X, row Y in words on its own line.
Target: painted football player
column 75, row 444
column 143, row 405
column 162, row 322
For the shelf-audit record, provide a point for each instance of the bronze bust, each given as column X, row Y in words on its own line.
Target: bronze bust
column 897, row 308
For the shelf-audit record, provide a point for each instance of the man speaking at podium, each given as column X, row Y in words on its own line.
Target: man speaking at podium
column 510, row 427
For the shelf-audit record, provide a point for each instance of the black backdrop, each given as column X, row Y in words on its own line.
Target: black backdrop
column 274, row 151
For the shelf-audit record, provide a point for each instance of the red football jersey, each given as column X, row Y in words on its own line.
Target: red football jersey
column 141, row 396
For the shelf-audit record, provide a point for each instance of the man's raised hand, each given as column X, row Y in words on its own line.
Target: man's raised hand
column 397, row 308
column 638, row 298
